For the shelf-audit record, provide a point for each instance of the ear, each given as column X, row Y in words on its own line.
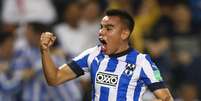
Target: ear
column 125, row 34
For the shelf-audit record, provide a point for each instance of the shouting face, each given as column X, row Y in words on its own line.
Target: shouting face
column 113, row 35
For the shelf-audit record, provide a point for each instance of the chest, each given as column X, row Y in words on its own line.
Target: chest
column 112, row 72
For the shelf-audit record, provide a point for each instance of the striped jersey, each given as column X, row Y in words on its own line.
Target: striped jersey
column 119, row 77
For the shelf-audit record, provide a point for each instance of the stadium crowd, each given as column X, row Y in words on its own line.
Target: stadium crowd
column 168, row 30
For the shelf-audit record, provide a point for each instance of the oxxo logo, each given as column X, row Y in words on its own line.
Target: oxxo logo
column 106, row 79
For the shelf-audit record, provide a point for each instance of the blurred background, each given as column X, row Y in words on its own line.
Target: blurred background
column 168, row 30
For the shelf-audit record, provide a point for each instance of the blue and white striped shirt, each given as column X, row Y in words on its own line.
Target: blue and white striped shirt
column 120, row 77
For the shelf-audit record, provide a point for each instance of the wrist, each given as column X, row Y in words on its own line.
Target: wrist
column 44, row 50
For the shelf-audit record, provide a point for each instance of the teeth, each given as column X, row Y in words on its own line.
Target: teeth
column 101, row 37
column 102, row 40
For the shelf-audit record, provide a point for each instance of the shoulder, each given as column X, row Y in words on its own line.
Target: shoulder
column 143, row 59
column 88, row 52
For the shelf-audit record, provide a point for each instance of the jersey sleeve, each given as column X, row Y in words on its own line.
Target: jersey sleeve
column 80, row 64
column 150, row 74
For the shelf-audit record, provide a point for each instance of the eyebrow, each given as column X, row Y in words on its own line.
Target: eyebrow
column 107, row 25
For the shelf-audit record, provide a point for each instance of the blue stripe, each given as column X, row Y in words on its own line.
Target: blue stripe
column 125, row 79
column 30, row 91
column 94, row 67
column 138, row 90
column 151, row 62
column 111, row 66
column 42, row 92
column 144, row 77
column 83, row 61
column 103, row 95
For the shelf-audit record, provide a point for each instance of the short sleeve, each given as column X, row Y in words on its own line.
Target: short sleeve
column 80, row 64
column 150, row 74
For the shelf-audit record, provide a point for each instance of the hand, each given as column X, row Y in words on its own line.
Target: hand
column 47, row 39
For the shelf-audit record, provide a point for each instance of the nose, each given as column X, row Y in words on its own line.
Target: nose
column 101, row 32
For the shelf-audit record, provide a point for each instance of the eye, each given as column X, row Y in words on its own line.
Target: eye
column 108, row 28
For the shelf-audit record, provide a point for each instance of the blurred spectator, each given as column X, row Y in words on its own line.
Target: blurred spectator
column 11, row 71
column 159, row 49
column 182, row 20
column 145, row 16
column 193, row 73
column 36, row 88
column 164, row 25
column 187, row 69
column 59, row 6
column 120, row 4
column 186, row 34
column 8, row 82
column 182, row 66
column 90, row 22
column 188, row 92
column 71, row 36
column 195, row 6
column 18, row 11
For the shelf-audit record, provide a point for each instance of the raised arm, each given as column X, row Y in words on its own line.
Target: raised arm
column 53, row 75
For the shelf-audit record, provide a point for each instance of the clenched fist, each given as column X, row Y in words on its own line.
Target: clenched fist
column 46, row 40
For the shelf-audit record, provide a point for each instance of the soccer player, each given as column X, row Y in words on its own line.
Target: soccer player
column 118, row 72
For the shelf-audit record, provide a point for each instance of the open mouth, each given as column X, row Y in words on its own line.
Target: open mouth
column 103, row 42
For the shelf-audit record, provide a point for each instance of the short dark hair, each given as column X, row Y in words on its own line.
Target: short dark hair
column 124, row 16
column 38, row 27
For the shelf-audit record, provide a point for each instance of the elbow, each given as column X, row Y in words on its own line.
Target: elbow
column 52, row 83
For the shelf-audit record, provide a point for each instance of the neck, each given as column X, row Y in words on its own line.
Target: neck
column 123, row 47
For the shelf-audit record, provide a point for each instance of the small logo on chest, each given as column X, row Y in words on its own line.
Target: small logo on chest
column 129, row 69
column 107, row 79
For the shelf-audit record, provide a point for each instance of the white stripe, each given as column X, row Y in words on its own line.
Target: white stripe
column 133, row 82
column 88, row 51
column 102, row 67
column 142, row 92
column 134, row 79
column 36, row 91
column 93, row 55
column 119, row 70
column 148, row 70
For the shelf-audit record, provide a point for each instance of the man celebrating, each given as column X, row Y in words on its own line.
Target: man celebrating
column 118, row 72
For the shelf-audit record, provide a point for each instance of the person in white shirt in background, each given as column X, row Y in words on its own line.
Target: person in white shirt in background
column 69, row 31
column 90, row 21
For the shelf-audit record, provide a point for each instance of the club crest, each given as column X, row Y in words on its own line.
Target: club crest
column 129, row 69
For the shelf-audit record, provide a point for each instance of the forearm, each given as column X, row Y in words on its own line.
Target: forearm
column 163, row 95
column 168, row 98
column 49, row 68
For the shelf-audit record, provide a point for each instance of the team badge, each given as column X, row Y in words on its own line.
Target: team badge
column 129, row 69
